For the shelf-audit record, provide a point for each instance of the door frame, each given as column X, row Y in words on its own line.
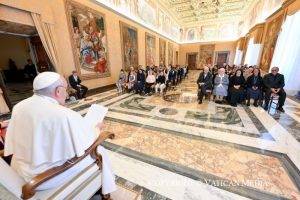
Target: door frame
column 190, row 54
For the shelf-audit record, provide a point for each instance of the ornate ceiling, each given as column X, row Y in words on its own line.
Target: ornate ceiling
column 192, row 12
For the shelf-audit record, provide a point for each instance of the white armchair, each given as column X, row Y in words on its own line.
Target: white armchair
column 82, row 186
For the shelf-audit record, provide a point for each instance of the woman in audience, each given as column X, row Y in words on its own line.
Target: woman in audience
column 254, row 87
column 131, row 81
column 220, row 85
column 150, row 81
column 121, row 81
column 160, row 82
column 237, row 90
column 139, row 87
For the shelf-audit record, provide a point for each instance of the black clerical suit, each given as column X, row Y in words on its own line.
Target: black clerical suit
column 207, row 80
column 81, row 89
column 276, row 82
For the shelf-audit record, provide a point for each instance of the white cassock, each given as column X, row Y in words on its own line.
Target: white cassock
column 43, row 134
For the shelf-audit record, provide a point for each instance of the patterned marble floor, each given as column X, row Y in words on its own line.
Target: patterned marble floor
column 177, row 149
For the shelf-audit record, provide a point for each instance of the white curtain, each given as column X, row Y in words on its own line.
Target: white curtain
column 238, row 57
column 46, row 34
column 287, row 52
column 252, row 53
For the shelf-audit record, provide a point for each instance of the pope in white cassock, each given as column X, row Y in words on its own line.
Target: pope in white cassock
column 43, row 134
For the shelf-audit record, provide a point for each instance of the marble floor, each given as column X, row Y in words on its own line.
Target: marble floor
column 174, row 148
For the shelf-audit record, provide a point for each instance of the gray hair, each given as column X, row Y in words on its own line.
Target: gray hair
column 48, row 91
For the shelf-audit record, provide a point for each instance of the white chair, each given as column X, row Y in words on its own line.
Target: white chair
column 82, row 186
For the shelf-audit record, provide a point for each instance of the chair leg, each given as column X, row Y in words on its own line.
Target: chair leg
column 270, row 104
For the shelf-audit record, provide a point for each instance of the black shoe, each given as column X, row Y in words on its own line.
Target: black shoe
column 255, row 103
column 248, row 103
column 200, row 102
column 234, row 105
column 280, row 109
column 266, row 108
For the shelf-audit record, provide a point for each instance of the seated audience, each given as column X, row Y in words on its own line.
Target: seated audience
column 160, row 82
column 236, row 86
column 220, row 85
column 121, row 81
column 30, row 70
column 75, row 83
column 140, row 81
column 150, row 81
column 254, row 87
column 172, row 76
column 274, row 83
column 204, row 83
column 40, row 140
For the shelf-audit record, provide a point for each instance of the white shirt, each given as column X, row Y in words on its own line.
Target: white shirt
column 75, row 78
column 150, row 79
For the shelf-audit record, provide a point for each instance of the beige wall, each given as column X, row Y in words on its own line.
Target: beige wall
column 195, row 47
column 14, row 47
column 55, row 13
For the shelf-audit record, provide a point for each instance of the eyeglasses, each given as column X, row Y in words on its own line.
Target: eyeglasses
column 274, row 70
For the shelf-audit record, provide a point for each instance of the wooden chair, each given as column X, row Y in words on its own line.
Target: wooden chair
column 208, row 94
column 274, row 100
column 82, row 186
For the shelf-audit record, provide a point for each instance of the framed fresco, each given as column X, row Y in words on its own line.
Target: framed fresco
column 273, row 29
column 89, row 41
column 162, row 52
column 170, row 53
column 150, row 49
column 206, row 55
column 129, row 43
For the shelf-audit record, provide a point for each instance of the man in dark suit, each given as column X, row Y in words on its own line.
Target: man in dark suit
column 204, row 83
column 75, row 83
column 274, row 83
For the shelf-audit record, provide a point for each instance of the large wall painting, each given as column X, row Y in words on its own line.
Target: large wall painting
column 162, row 52
column 150, row 49
column 89, row 42
column 170, row 53
column 129, row 46
column 206, row 55
column 273, row 28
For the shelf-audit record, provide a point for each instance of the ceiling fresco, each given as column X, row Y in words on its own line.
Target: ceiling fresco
column 188, row 21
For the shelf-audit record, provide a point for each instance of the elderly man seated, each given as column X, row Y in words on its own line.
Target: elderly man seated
column 274, row 83
column 204, row 83
column 43, row 134
column 75, row 83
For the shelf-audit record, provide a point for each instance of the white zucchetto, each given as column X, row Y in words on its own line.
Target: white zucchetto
column 45, row 79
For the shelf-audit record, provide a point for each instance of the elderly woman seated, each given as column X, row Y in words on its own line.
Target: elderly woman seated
column 220, row 85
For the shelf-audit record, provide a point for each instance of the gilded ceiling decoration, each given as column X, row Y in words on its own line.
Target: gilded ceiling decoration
column 190, row 12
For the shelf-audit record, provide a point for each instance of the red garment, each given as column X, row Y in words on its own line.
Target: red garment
column 100, row 65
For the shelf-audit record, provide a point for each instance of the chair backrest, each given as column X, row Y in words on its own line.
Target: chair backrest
column 10, row 179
